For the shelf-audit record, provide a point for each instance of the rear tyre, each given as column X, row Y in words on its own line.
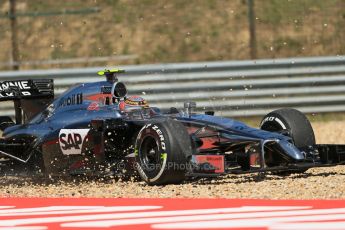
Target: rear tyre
column 293, row 123
column 162, row 150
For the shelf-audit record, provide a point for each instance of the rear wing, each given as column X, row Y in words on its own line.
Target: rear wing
column 20, row 89
column 22, row 92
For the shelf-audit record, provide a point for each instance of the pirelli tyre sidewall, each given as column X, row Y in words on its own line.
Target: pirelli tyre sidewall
column 161, row 152
column 292, row 120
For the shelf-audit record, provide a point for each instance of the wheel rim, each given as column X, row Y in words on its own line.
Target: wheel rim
column 150, row 154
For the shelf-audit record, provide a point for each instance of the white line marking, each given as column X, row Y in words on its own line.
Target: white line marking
column 25, row 228
column 3, row 207
column 116, row 216
column 67, row 211
column 250, row 222
column 48, row 208
column 230, row 218
column 337, row 225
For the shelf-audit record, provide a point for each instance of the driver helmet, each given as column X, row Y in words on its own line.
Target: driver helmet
column 133, row 102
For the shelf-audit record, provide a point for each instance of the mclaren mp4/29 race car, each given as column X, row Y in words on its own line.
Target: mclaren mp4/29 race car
column 97, row 129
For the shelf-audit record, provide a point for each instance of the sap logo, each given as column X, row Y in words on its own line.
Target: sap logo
column 71, row 140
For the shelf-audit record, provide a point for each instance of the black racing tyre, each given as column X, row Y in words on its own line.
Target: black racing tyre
column 294, row 122
column 5, row 122
column 162, row 151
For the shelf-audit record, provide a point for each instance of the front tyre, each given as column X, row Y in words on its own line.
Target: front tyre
column 162, row 150
column 294, row 124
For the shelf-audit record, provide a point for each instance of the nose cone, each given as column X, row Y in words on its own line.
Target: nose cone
column 291, row 150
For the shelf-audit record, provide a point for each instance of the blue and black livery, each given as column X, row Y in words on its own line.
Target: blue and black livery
column 97, row 129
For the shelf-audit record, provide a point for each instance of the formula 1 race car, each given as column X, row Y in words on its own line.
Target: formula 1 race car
column 97, row 129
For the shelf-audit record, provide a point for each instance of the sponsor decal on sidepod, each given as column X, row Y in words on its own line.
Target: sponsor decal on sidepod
column 71, row 140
